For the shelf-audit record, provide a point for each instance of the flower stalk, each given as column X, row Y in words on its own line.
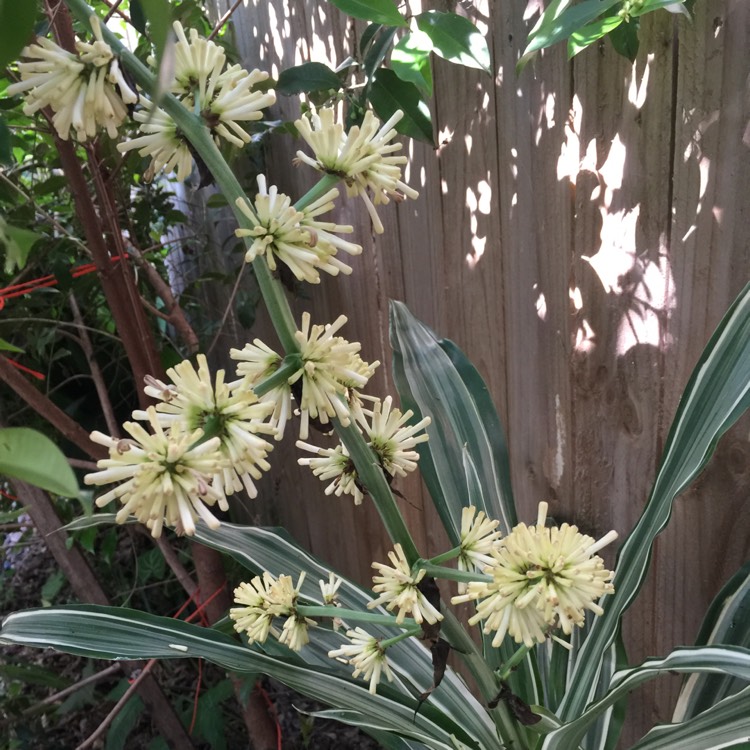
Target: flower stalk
column 273, row 293
column 310, row 610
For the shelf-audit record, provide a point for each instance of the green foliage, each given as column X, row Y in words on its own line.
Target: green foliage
column 456, row 39
column 585, row 22
column 389, row 93
column 16, row 28
column 32, row 457
column 378, row 11
column 307, row 78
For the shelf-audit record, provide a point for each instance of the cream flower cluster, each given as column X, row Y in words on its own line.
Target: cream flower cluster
column 364, row 157
column 296, row 238
column 264, row 599
column 388, row 435
column 85, row 91
column 171, row 477
column 224, row 98
column 329, row 366
column 399, row 589
column 164, row 476
column 366, row 655
column 542, row 579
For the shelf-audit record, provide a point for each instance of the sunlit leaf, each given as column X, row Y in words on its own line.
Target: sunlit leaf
column 389, row 93
column 32, row 457
column 378, row 11
column 582, row 38
column 410, row 60
column 559, row 21
column 16, row 244
column 455, row 39
column 6, row 346
column 302, row 79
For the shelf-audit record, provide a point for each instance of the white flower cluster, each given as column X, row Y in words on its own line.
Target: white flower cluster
column 85, row 91
column 206, row 444
column 224, row 98
column 363, row 158
column 542, row 578
column 296, row 238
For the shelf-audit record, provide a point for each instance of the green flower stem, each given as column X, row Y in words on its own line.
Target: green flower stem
column 513, row 662
column 451, row 574
column 449, row 555
column 400, row 637
column 372, row 476
column 289, row 366
column 485, row 678
column 309, row 610
column 193, row 128
column 321, row 187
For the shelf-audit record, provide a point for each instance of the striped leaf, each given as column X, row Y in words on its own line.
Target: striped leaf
column 727, row 622
column 712, row 659
column 258, row 549
column 436, row 379
column 121, row 633
column 716, row 395
column 726, row 724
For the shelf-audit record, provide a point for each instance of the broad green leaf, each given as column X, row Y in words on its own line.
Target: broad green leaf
column 713, row 659
column 625, row 39
column 16, row 28
column 16, row 244
column 32, row 457
column 378, row 11
column 716, row 395
column 410, row 60
column 120, row 633
column 456, row 39
column 726, row 622
column 6, row 346
column 389, row 93
column 367, row 36
column 726, row 724
column 582, row 38
column 377, row 51
column 312, row 76
column 559, row 21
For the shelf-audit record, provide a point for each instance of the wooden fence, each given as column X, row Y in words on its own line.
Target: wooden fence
column 581, row 230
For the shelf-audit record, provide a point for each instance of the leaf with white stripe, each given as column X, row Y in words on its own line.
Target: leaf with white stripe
column 716, row 395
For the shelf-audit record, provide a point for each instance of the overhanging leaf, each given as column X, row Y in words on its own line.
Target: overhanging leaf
column 32, row 457
column 410, row 60
column 377, row 11
column 716, row 395
column 16, row 244
column 587, row 35
column 389, row 93
column 302, row 79
column 559, row 21
column 456, row 39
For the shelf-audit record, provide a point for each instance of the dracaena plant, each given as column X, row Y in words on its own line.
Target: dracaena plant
column 547, row 665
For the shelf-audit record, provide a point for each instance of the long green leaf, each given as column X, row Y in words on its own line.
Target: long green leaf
column 716, row 395
column 32, row 457
column 16, row 28
column 119, row 633
column 258, row 549
column 724, row 725
column 727, row 622
column 727, row 724
column 435, row 378
column 714, row 659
